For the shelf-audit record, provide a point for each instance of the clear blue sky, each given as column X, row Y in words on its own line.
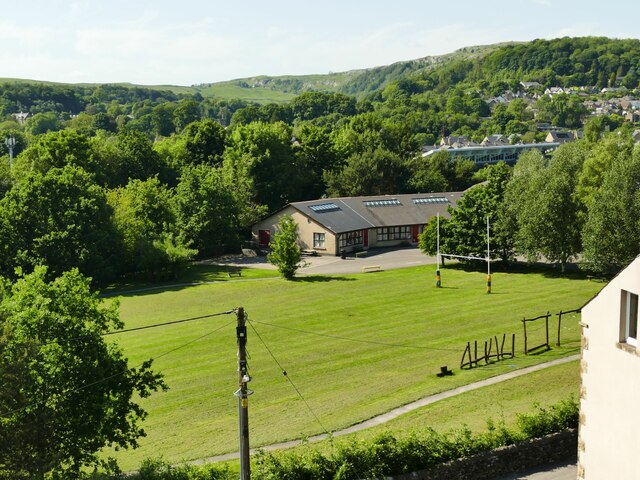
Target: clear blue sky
column 185, row 42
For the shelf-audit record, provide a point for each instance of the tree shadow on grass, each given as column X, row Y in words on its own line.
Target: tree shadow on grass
column 194, row 275
column 548, row 270
column 321, row 278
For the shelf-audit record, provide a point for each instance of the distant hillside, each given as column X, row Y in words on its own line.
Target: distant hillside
column 265, row 89
column 570, row 62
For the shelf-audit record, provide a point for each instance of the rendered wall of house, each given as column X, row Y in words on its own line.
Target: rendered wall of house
column 306, row 229
column 609, row 432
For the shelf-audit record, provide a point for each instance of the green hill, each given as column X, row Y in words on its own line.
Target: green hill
column 266, row 89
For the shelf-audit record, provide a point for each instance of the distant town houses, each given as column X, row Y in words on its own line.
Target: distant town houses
column 562, row 137
column 20, row 117
column 495, row 141
column 530, row 85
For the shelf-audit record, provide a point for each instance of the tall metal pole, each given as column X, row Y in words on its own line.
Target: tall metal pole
column 438, row 280
column 10, row 142
column 242, row 393
column 488, row 259
column 488, row 249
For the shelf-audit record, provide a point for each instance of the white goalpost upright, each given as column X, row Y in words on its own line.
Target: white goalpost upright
column 464, row 257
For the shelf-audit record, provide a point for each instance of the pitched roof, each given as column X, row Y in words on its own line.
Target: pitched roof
column 347, row 214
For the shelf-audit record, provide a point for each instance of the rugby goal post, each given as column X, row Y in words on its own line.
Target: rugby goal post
column 439, row 255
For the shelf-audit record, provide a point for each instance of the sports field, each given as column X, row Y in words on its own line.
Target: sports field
column 354, row 346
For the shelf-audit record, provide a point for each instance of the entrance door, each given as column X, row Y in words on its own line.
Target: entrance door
column 414, row 233
column 365, row 238
column 264, row 237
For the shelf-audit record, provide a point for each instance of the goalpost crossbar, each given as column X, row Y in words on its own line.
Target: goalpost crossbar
column 484, row 259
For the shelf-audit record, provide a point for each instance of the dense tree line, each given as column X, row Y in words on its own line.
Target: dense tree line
column 129, row 180
column 580, row 204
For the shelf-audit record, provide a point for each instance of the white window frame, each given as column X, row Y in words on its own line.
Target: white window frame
column 629, row 318
column 318, row 240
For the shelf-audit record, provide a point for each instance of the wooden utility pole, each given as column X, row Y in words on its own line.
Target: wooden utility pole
column 242, row 393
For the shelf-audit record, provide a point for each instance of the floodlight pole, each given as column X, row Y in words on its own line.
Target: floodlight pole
column 10, row 143
column 242, row 393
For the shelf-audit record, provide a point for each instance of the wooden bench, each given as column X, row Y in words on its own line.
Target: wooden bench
column 361, row 254
column 309, row 253
column 235, row 273
column 371, row 268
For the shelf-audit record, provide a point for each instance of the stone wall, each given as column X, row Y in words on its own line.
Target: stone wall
column 504, row 460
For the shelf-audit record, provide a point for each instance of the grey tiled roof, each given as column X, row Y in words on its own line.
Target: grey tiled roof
column 358, row 213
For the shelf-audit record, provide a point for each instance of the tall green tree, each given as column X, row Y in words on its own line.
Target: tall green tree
column 316, row 154
column 598, row 161
column 204, row 142
column 439, row 173
column 144, row 217
column 185, row 113
column 549, row 215
column 612, row 230
column 67, row 393
column 60, row 219
column 374, row 172
column 260, row 160
column 57, row 149
column 285, row 252
column 522, row 185
column 207, row 211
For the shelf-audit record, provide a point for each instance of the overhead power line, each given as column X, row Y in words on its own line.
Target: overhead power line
column 284, row 372
column 104, row 379
column 134, row 329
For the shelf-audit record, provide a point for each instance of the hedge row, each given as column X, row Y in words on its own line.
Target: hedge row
column 383, row 456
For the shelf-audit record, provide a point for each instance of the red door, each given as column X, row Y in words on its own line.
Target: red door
column 414, row 233
column 366, row 238
column 264, row 237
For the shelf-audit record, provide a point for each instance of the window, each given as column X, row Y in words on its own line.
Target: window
column 429, row 200
column 318, row 240
column 351, row 238
column 381, row 203
column 324, row 207
column 629, row 318
column 394, row 233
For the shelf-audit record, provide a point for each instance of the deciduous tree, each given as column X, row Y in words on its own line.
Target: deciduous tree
column 66, row 392
column 285, row 252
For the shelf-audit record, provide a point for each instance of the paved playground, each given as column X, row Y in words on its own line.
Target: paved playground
column 386, row 259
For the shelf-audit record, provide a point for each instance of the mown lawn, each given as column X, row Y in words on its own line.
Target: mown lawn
column 500, row 403
column 387, row 333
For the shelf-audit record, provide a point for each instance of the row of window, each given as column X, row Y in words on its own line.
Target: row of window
column 351, row 238
column 394, row 233
column 357, row 238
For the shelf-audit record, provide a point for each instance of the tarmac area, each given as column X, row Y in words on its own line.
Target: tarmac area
column 386, row 259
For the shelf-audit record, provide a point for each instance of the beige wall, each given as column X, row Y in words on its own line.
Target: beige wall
column 306, row 229
column 610, row 395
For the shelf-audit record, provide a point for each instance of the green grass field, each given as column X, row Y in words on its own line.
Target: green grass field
column 500, row 403
column 343, row 378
